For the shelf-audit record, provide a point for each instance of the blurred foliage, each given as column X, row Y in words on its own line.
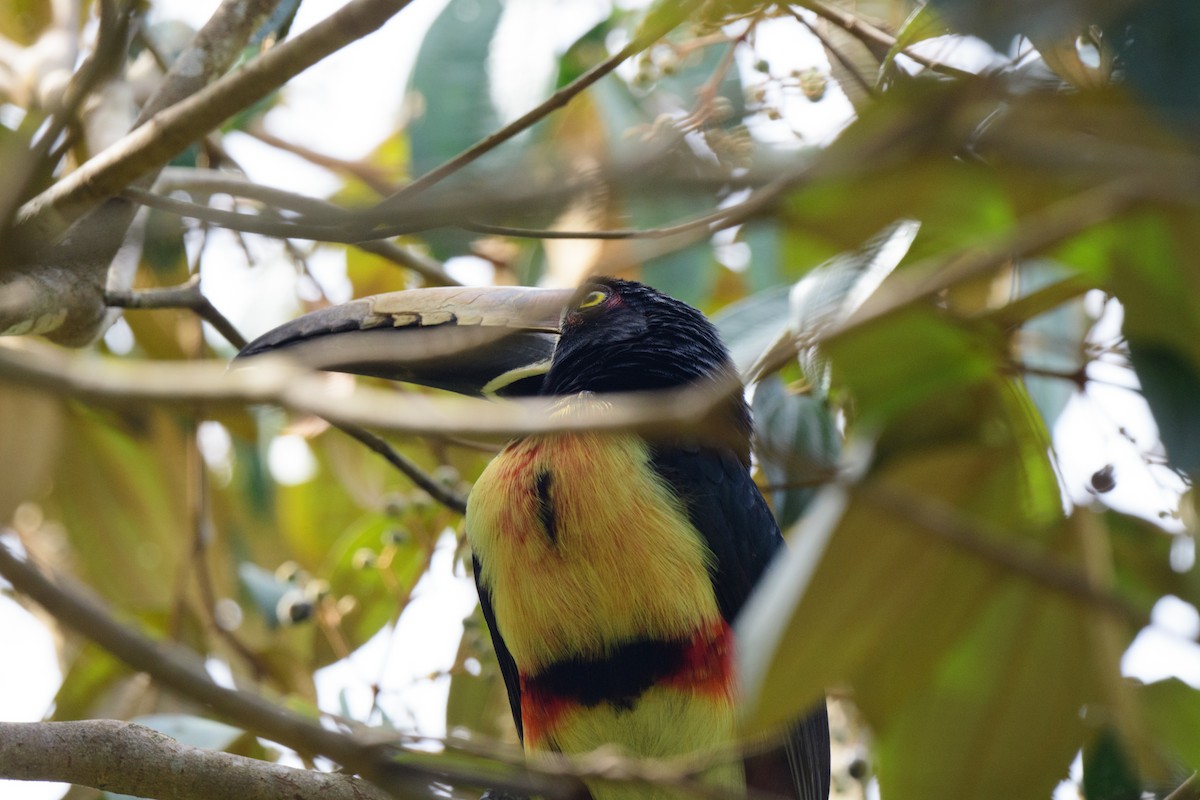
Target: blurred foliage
column 927, row 293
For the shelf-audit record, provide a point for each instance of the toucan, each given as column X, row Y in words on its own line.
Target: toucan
column 611, row 567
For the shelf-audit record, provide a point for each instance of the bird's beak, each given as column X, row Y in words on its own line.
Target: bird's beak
column 475, row 341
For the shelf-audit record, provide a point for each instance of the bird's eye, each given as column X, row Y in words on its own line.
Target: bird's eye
column 592, row 300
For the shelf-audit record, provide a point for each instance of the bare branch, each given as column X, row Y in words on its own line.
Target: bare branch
column 371, row 176
column 127, row 758
column 69, row 275
column 873, row 37
column 187, row 295
column 207, row 182
column 442, row 494
column 377, row 759
column 324, row 221
column 216, row 182
column 198, row 384
column 152, row 145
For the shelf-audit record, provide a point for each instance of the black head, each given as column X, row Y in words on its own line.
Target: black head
column 623, row 336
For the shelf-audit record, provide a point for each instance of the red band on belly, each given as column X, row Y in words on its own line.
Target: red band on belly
column 700, row 665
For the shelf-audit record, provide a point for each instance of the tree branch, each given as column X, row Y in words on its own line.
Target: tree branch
column 197, row 384
column 152, row 145
column 657, row 24
column 58, row 287
column 379, row 760
column 127, row 758
column 873, row 37
column 1188, row 790
column 187, row 295
column 442, row 494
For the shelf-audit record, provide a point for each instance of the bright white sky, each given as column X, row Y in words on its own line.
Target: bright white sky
column 345, row 106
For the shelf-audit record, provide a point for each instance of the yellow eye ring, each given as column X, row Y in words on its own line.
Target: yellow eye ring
column 592, row 300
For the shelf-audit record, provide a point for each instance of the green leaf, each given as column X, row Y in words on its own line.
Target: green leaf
column 832, row 291
column 119, row 491
column 450, row 87
column 923, row 23
column 750, row 325
column 1142, row 562
column 378, row 565
column 1172, row 710
column 891, row 589
column 89, row 679
column 797, row 444
column 1171, row 384
column 1108, row 773
column 1158, row 57
column 23, row 21
column 31, row 428
column 928, row 355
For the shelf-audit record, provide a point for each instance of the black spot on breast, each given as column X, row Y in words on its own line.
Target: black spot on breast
column 546, row 506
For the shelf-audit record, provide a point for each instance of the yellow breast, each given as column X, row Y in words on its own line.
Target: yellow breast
column 584, row 547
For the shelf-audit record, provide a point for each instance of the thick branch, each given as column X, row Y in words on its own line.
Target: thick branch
column 58, row 290
column 127, row 758
column 180, row 671
column 198, row 384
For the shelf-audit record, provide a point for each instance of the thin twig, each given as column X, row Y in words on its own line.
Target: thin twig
column 842, row 58
column 372, row 177
column 870, row 35
column 1188, row 790
column 186, row 295
column 665, row 20
column 442, row 494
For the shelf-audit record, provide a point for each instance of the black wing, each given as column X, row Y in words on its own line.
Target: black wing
column 508, row 667
column 727, row 509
